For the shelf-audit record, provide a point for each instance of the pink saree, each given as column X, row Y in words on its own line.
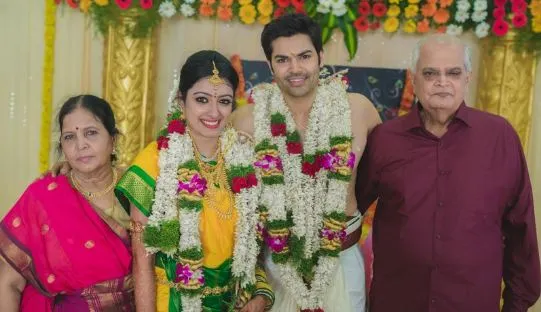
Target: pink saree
column 73, row 259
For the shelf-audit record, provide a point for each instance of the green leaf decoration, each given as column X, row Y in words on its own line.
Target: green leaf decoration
column 350, row 37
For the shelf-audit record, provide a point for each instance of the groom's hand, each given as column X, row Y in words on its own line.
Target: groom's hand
column 256, row 304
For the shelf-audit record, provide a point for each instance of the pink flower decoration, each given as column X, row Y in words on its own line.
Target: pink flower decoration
column 500, row 3
column 146, row 4
column 500, row 27
column 330, row 160
column 183, row 274
column 196, row 183
column 519, row 20
column 518, row 6
column 351, row 160
column 123, row 4
column 498, row 13
column 277, row 244
column 269, row 162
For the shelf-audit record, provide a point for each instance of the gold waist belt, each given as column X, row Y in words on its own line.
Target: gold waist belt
column 207, row 291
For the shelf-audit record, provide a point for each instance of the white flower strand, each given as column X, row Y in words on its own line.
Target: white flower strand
column 306, row 197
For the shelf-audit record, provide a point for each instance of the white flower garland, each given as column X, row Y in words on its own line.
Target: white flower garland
column 306, row 198
column 237, row 154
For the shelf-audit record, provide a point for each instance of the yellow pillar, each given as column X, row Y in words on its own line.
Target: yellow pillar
column 506, row 83
column 128, row 85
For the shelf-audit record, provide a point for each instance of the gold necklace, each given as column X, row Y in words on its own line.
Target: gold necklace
column 216, row 178
column 92, row 195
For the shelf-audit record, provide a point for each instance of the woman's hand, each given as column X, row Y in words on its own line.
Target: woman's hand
column 256, row 304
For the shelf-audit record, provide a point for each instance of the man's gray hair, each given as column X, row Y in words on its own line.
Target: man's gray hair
column 441, row 39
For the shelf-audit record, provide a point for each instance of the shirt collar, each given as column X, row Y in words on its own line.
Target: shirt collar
column 413, row 119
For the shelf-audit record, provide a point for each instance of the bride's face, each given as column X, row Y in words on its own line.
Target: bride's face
column 207, row 107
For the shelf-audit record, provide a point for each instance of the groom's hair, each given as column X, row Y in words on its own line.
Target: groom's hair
column 289, row 25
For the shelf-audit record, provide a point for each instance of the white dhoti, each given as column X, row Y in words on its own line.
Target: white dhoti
column 346, row 291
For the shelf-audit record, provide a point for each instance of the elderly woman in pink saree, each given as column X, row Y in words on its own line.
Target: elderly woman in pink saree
column 64, row 245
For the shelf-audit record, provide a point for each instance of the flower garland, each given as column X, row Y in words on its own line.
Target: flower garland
column 304, row 222
column 173, row 226
column 47, row 86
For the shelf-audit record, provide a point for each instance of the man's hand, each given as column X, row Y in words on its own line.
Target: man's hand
column 256, row 304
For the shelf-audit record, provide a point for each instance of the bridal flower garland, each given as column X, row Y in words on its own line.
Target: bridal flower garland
column 173, row 226
column 304, row 224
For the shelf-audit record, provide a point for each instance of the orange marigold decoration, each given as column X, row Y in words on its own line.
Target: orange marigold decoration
column 423, row 26
column 206, row 10
column 441, row 16
column 224, row 13
column 240, row 93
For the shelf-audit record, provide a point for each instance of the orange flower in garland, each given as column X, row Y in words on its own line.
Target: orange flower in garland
column 224, row 13
column 441, row 16
column 206, row 10
column 429, row 9
column 423, row 26
column 445, row 3
column 226, row 2
column 208, row 2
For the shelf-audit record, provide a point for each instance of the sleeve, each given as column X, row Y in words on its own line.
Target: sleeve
column 138, row 183
column 262, row 286
column 366, row 180
column 521, row 272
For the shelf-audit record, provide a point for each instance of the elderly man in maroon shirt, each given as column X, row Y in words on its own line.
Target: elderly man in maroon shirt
column 455, row 213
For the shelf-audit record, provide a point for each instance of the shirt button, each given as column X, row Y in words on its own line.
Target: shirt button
column 433, row 300
column 440, row 204
column 438, row 236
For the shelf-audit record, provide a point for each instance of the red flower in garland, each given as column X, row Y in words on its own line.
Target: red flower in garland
column 278, row 129
column 500, row 3
column 361, row 24
column 277, row 13
column 294, row 148
column 176, row 126
column 123, row 4
column 251, row 180
column 163, row 142
column 364, row 8
column 498, row 13
column 519, row 6
column 146, row 4
column 519, row 20
column 500, row 27
column 298, row 5
column 237, row 184
column 379, row 9
column 283, row 3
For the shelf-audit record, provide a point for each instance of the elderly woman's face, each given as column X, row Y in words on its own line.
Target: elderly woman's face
column 85, row 142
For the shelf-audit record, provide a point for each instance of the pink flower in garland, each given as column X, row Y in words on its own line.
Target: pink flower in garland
column 269, row 162
column 146, row 4
column 123, row 4
column 183, row 274
column 519, row 6
column 196, row 183
column 351, row 160
column 500, row 3
column 498, row 13
column 331, row 160
column 519, row 20
column 500, row 27
column 277, row 243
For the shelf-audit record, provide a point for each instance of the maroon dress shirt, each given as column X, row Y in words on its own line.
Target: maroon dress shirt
column 455, row 215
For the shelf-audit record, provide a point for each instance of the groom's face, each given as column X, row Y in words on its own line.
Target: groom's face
column 295, row 64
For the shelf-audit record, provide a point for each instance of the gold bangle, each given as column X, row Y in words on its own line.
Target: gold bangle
column 136, row 227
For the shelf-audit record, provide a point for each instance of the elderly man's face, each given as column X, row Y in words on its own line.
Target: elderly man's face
column 441, row 78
